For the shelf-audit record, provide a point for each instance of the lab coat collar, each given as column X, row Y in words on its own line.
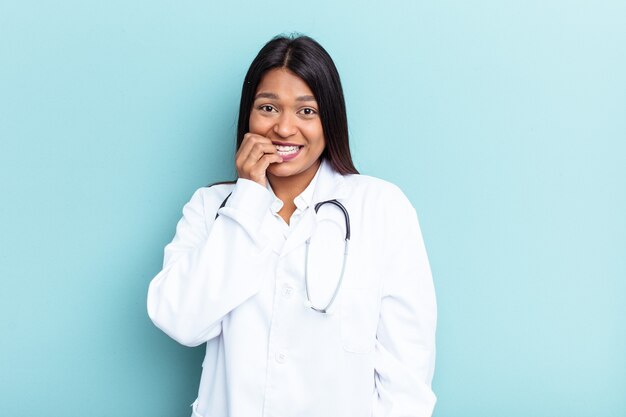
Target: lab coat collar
column 330, row 185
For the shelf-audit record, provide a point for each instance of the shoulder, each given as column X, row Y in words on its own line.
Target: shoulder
column 215, row 191
column 209, row 198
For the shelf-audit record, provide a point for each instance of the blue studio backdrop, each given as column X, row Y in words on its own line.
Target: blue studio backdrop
column 503, row 121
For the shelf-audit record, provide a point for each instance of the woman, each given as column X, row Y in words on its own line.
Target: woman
column 257, row 271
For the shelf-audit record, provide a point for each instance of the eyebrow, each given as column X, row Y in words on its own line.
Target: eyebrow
column 275, row 97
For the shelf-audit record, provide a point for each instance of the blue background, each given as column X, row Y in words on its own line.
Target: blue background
column 503, row 121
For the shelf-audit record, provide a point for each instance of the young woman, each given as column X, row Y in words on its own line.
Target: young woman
column 308, row 282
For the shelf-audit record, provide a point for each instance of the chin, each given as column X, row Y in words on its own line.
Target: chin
column 281, row 170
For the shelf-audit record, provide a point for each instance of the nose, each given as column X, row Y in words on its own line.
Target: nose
column 285, row 125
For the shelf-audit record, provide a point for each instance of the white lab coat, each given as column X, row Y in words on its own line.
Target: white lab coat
column 238, row 284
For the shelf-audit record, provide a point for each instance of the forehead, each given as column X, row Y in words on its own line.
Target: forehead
column 283, row 83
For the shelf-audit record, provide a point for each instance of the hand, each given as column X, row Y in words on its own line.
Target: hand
column 255, row 154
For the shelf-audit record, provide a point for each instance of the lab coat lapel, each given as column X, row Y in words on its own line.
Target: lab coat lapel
column 330, row 185
column 273, row 233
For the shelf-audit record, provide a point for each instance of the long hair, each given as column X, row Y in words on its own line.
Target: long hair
column 308, row 60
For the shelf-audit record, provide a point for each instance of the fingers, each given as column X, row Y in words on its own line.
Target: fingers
column 252, row 149
column 257, row 152
column 254, row 156
column 249, row 141
column 258, row 171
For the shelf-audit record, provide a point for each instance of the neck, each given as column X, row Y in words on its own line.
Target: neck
column 288, row 188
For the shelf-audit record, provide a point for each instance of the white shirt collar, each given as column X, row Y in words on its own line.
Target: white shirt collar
column 302, row 201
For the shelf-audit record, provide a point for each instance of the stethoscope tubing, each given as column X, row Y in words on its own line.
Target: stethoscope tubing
column 346, row 216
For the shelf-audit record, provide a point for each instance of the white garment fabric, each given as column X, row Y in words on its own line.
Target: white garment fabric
column 237, row 283
column 302, row 202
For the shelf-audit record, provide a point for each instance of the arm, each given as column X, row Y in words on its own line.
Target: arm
column 404, row 358
column 211, row 266
column 214, row 265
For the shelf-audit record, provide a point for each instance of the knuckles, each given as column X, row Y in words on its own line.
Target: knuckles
column 254, row 144
column 252, row 137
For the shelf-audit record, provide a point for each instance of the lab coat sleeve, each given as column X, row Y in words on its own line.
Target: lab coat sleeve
column 212, row 265
column 404, row 357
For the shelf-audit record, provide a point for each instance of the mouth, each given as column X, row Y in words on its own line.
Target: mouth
column 287, row 150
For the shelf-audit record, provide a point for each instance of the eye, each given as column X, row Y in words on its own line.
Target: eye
column 307, row 111
column 266, row 108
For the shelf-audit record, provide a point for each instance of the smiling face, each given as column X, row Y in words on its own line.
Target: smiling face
column 285, row 111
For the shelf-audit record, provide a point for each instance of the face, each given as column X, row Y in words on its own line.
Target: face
column 285, row 111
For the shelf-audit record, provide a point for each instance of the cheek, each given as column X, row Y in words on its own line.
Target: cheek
column 258, row 124
column 320, row 143
column 315, row 136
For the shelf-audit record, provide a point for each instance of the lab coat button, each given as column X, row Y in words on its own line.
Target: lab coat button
column 281, row 357
column 287, row 290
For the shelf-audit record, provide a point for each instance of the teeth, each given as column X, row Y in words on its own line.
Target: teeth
column 286, row 150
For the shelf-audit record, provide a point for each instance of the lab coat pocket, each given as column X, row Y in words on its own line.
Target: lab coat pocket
column 359, row 319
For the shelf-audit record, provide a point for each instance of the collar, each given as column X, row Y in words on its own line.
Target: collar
column 327, row 184
column 330, row 184
column 305, row 199
column 277, row 203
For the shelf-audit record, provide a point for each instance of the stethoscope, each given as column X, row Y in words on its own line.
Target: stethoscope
column 346, row 217
column 343, row 264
